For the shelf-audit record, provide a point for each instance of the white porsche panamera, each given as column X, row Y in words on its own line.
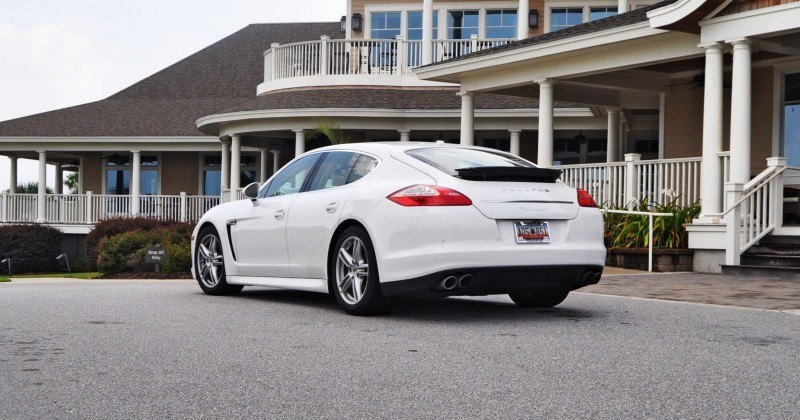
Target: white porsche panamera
column 369, row 221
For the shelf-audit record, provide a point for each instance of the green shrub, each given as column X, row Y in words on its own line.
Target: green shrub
column 112, row 227
column 632, row 231
column 32, row 248
column 126, row 251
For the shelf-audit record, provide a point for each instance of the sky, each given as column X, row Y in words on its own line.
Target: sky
column 60, row 53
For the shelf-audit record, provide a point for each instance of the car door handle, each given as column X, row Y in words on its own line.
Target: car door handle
column 280, row 214
column 332, row 206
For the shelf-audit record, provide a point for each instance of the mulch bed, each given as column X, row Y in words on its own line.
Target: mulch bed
column 144, row 275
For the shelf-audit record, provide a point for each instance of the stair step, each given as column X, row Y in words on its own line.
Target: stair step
column 789, row 273
column 784, row 250
column 780, row 240
column 771, row 260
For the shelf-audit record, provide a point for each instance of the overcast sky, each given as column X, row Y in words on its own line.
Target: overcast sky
column 55, row 54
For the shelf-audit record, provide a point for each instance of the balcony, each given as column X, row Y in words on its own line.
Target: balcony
column 383, row 62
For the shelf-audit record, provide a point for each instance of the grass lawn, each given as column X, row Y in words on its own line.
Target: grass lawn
column 85, row 276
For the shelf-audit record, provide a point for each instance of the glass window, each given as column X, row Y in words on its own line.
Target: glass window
column 149, row 160
column 415, row 25
column 596, row 13
column 501, row 24
column 212, row 180
column 791, row 119
column 290, row 180
column 364, row 165
column 448, row 159
column 385, row 25
column 462, row 24
column 212, row 160
column 118, row 181
column 333, row 171
column 118, row 160
column 148, row 182
column 564, row 18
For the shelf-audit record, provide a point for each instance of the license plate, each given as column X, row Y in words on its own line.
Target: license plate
column 532, row 232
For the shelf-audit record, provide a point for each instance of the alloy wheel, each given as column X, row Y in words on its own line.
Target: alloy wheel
column 352, row 270
column 209, row 261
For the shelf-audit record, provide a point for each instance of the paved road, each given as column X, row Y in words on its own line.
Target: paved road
column 151, row 350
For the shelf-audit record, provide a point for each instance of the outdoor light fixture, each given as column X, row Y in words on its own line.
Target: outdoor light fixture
column 7, row 261
column 66, row 260
column 533, row 18
column 343, row 24
column 581, row 138
column 357, row 22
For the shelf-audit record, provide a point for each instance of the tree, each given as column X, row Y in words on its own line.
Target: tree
column 31, row 188
column 327, row 129
column 71, row 181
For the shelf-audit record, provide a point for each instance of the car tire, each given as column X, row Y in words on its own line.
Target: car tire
column 209, row 265
column 353, row 275
column 539, row 299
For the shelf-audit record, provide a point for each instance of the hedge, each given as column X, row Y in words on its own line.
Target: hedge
column 112, row 227
column 32, row 248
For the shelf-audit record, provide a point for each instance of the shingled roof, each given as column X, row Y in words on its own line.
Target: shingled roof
column 169, row 102
column 623, row 19
column 394, row 98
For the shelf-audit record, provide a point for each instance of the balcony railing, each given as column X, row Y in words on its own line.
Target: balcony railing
column 340, row 57
column 81, row 209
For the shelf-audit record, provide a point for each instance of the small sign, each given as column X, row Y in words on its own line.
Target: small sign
column 154, row 254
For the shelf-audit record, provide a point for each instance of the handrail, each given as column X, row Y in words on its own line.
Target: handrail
column 650, row 216
column 753, row 189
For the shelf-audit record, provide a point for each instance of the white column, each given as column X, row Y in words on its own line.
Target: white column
column 467, row 119
column 276, row 160
column 80, row 176
column 612, row 149
column 711, row 166
column 225, row 168
column 299, row 142
column 622, row 6
column 236, row 165
column 405, row 135
column 545, row 156
column 59, row 187
column 41, row 214
column 522, row 19
column 740, row 111
column 136, row 181
column 264, row 162
column 514, row 142
column 427, row 32
column 12, row 177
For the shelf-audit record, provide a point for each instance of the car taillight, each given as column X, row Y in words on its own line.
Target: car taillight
column 429, row 195
column 584, row 199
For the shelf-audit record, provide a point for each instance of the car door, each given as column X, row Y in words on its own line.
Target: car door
column 315, row 214
column 259, row 231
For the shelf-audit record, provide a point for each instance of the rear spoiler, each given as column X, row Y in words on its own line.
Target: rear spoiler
column 510, row 173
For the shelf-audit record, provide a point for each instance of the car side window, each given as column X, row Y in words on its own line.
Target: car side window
column 334, row 170
column 290, row 180
column 364, row 165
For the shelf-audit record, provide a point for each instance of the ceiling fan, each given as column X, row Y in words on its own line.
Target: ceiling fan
column 697, row 81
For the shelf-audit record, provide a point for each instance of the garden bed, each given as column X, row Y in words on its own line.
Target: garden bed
column 664, row 260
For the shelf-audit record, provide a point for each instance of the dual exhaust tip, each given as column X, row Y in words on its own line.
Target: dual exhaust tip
column 453, row 282
column 592, row 277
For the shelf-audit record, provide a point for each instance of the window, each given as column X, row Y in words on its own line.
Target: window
column 212, row 174
column 290, row 180
column 497, row 144
column 363, row 166
column 596, row 13
column 564, row 18
column 501, row 24
column 385, row 25
column 462, row 24
column 415, row 25
column 449, row 159
column 341, row 168
column 791, row 119
column 118, row 174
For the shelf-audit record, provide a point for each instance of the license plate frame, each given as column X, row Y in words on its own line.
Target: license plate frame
column 532, row 232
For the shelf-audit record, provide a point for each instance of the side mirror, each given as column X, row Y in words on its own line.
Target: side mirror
column 251, row 191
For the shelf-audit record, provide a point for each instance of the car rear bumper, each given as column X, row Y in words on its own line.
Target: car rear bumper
column 499, row 280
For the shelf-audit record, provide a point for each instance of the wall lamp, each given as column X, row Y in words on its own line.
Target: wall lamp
column 357, row 22
column 533, row 18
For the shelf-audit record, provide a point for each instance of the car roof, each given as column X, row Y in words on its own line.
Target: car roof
column 380, row 147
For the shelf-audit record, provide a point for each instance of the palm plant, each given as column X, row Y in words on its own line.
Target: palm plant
column 330, row 128
column 632, row 231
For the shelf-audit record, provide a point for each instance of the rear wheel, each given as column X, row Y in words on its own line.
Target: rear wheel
column 539, row 299
column 209, row 265
column 354, row 274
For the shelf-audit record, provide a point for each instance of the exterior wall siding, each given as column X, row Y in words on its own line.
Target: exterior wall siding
column 93, row 173
column 179, row 173
column 739, row 6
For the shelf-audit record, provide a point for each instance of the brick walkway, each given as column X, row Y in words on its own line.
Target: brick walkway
column 753, row 292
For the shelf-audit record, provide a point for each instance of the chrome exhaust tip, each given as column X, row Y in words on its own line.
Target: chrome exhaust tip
column 465, row 281
column 597, row 276
column 448, row 283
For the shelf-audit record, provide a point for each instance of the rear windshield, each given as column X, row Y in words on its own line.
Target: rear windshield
column 450, row 159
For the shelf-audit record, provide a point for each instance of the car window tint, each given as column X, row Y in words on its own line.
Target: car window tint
column 290, row 179
column 449, row 159
column 334, row 170
column 364, row 165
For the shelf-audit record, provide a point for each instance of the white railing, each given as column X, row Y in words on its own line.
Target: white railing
column 90, row 208
column 650, row 216
column 336, row 57
column 624, row 184
column 756, row 209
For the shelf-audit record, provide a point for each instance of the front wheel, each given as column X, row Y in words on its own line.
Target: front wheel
column 209, row 265
column 354, row 274
column 539, row 299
